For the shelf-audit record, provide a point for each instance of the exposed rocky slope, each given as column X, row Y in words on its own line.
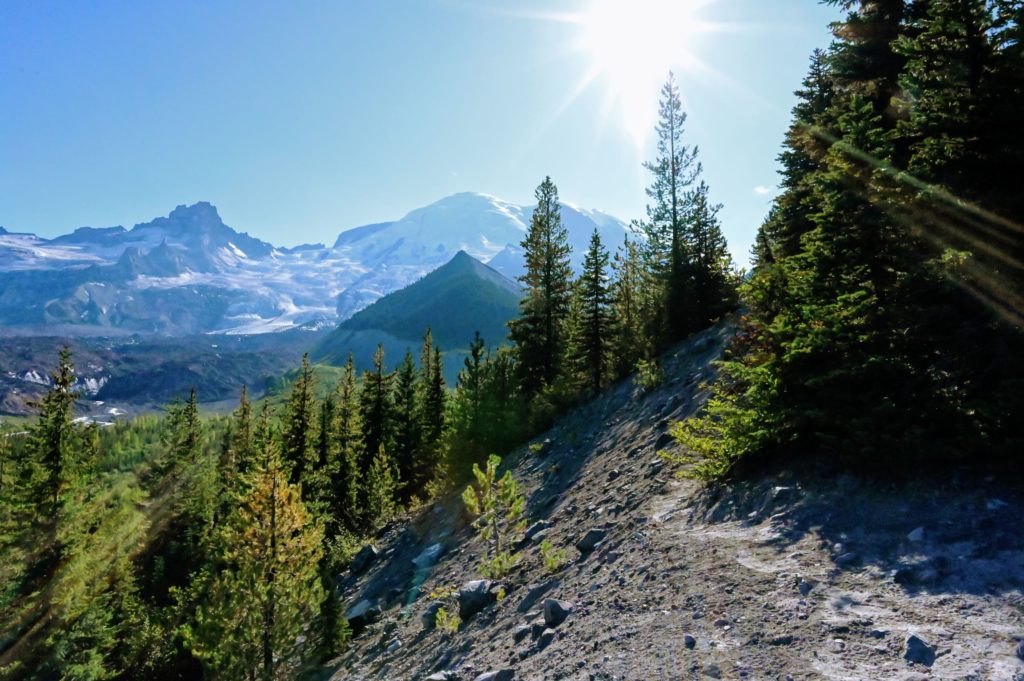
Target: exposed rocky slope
column 783, row 576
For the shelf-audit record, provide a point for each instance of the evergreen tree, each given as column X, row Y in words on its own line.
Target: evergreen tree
column 673, row 171
column 298, row 438
column 713, row 290
column 381, row 488
column 348, row 443
column 539, row 333
column 594, row 337
column 431, row 405
column 407, row 427
column 271, row 548
column 53, row 441
column 632, row 307
column 376, row 412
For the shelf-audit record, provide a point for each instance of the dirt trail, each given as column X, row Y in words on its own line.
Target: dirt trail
column 780, row 577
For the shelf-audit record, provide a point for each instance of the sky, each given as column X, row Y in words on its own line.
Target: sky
column 301, row 119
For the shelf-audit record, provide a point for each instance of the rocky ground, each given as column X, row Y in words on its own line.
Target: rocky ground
column 777, row 577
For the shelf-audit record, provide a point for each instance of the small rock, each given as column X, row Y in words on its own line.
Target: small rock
column 521, row 632
column 878, row 633
column 590, row 540
column 429, row 616
column 916, row 535
column 538, row 526
column 847, row 559
column 712, row 671
column 394, row 645
column 917, row 650
column 363, row 613
column 555, row 611
column 537, row 628
column 546, row 637
column 613, row 474
column 1020, row 650
column 806, row 586
column 502, row 675
column 783, row 640
column 689, row 641
column 363, row 559
column 476, row 595
column 442, row 676
column 995, row 504
column 427, row 557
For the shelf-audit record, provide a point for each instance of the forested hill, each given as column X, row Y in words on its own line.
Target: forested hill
column 455, row 301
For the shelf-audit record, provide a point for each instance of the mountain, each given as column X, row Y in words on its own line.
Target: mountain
column 456, row 300
column 190, row 273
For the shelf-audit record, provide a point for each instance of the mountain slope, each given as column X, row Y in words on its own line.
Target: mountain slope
column 789, row 575
column 456, row 300
column 190, row 273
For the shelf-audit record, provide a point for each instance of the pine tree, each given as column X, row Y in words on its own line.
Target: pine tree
column 269, row 586
column 633, row 308
column 595, row 317
column 348, row 443
column 673, row 171
column 381, row 489
column 539, row 332
column 298, row 438
column 376, row 400
column 407, row 428
column 53, row 441
column 713, row 290
column 431, row 404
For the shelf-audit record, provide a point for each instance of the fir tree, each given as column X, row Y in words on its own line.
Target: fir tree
column 376, row 410
column 381, row 488
column 593, row 339
column 673, row 171
column 298, row 438
column 539, row 332
column 271, row 548
column 53, row 441
column 431, row 405
column 348, row 442
column 407, row 428
column 632, row 307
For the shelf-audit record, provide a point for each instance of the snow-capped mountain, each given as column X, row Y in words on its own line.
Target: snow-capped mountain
column 190, row 273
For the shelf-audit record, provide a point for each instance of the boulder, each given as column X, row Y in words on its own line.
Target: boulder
column 442, row 676
column 555, row 611
column 916, row 535
column 476, row 595
column 689, row 641
column 916, row 649
column 545, row 638
column 1020, row 650
column 590, row 540
column 363, row 613
column 538, row 526
column 362, row 560
column 521, row 632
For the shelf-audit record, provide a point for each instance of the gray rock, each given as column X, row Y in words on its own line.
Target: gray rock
column 533, row 594
column 1020, row 650
column 538, row 526
column 363, row 559
column 916, row 535
column 555, row 611
column 916, row 649
column 394, row 645
column 847, row 559
column 546, row 637
column 363, row 613
column 442, row 676
column 476, row 595
column 502, row 675
column 806, row 586
column 429, row 616
column 783, row 640
column 427, row 557
column 521, row 632
column 689, row 641
column 590, row 540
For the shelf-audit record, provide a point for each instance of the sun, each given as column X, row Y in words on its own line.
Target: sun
column 632, row 45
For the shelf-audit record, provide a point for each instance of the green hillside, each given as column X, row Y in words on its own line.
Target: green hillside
column 456, row 300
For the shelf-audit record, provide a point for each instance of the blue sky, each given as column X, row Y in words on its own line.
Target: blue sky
column 301, row 119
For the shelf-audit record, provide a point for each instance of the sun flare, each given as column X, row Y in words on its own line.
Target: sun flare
column 632, row 45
